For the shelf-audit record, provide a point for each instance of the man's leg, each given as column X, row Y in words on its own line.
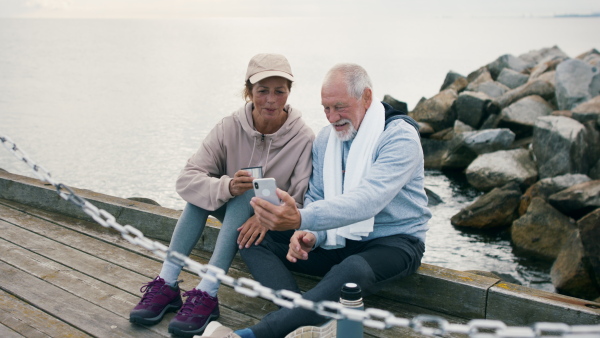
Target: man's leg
column 369, row 264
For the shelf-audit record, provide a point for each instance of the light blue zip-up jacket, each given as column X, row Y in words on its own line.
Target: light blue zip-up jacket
column 393, row 191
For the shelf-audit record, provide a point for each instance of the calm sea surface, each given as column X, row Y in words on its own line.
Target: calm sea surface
column 117, row 106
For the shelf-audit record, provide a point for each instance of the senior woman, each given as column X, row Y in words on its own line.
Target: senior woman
column 266, row 132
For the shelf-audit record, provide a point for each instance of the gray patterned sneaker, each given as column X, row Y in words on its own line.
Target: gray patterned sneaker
column 158, row 299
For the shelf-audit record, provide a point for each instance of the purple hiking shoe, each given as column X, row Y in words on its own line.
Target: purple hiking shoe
column 199, row 309
column 158, row 299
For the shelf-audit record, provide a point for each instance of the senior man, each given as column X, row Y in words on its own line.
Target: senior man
column 365, row 213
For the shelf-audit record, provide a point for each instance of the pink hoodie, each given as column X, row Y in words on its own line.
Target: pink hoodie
column 234, row 144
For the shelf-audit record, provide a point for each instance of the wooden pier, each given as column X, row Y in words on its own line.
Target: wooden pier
column 62, row 275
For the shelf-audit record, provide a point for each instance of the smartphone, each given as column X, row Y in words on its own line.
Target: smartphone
column 265, row 188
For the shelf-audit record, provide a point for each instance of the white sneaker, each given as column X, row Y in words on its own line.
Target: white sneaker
column 215, row 329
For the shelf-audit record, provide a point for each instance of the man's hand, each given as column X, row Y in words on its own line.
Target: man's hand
column 241, row 182
column 251, row 232
column 277, row 217
column 301, row 244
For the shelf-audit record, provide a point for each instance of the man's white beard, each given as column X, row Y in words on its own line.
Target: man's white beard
column 347, row 134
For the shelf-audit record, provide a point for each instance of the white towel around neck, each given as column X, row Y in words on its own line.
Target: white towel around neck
column 357, row 167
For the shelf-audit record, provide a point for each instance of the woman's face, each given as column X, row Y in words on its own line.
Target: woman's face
column 270, row 96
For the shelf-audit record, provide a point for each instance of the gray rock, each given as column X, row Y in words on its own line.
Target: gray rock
column 592, row 57
column 538, row 87
column 492, row 88
column 425, row 129
column 542, row 231
column 483, row 77
column 576, row 82
column 520, row 117
column 454, row 79
column 536, row 56
column 511, row 78
column 595, row 171
column 458, row 155
column 570, row 275
column 398, row 105
column 589, row 229
column 496, row 169
column 548, row 186
column 491, row 122
column 587, row 111
column 578, row 200
column 545, row 65
column 433, row 151
column 460, row 127
column 559, row 146
column 433, row 198
column 436, row 110
column 496, row 209
column 471, row 108
column 465, row 146
column 489, row 140
column 510, row 62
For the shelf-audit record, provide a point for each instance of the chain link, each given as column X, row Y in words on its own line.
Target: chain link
column 371, row 317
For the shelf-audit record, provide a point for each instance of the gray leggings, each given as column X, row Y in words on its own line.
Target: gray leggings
column 190, row 226
column 370, row 264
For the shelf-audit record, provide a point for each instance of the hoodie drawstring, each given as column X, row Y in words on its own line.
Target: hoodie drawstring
column 252, row 155
column 268, row 151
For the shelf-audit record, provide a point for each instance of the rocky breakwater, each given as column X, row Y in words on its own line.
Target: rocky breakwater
column 526, row 131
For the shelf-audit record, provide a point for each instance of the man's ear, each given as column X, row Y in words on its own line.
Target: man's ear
column 367, row 98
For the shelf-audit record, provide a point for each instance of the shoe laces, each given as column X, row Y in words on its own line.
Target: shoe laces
column 151, row 289
column 194, row 299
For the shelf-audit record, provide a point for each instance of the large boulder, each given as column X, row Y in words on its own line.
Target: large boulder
column 538, row 87
column 589, row 229
column 492, row 88
column 471, row 108
column 537, row 56
column 465, row 146
column 587, row 111
column 436, row 110
column 496, row 169
column 542, row 231
column 520, row 116
column 576, row 82
column 396, row 104
column 433, row 151
column 511, row 78
column 496, row 209
column 578, row 200
column 559, row 145
column 510, row 62
column 569, row 273
column 546, row 65
column 592, row 57
column 548, row 186
column 454, row 81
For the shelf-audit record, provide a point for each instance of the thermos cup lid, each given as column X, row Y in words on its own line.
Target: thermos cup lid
column 351, row 291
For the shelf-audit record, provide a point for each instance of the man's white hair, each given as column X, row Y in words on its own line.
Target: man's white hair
column 356, row 78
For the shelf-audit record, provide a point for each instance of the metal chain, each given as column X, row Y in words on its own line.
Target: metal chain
column 371, row 317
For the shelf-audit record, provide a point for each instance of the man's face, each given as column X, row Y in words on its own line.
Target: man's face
column 344, row 112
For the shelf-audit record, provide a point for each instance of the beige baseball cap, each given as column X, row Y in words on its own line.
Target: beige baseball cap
column 262, row 66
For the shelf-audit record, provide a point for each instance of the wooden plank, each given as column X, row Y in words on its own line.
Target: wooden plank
column 65, row 306
column 6, row 332
column 120, row 260
column 26, row 320
column 519, row 305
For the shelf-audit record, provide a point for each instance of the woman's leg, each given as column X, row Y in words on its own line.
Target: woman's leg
column 185, row 236
column 237, row 213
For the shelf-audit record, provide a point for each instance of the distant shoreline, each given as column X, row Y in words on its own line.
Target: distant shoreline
column 592, row 15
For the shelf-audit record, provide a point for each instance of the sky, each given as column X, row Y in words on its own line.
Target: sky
column 290, row 8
